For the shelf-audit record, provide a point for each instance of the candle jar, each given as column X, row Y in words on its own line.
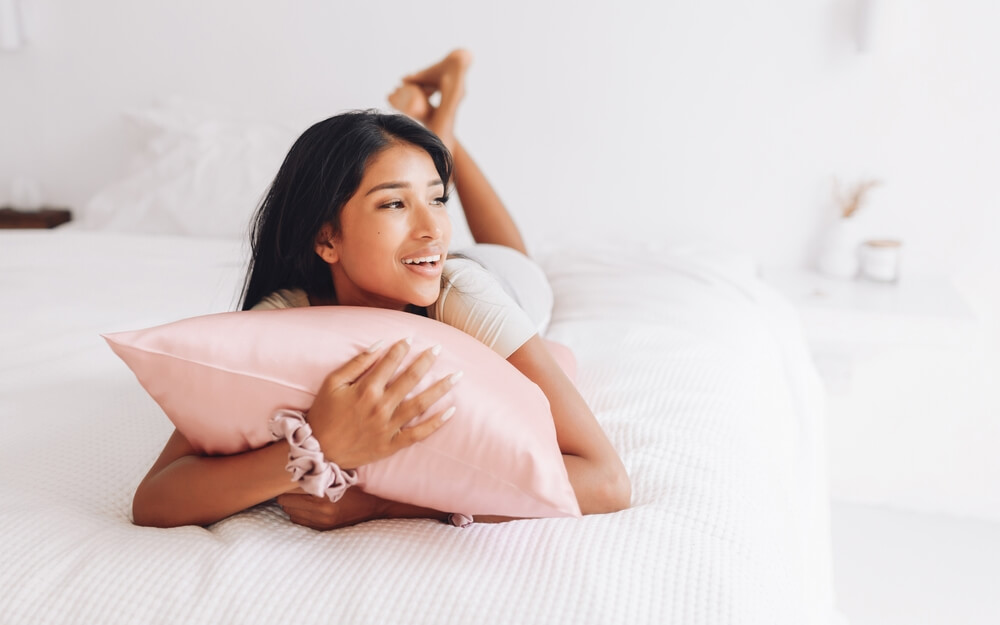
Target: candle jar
column 880, row 260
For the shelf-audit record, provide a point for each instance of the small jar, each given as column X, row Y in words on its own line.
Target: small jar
column 880, row 260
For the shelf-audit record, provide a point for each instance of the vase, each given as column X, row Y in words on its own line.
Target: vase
column 839, row 256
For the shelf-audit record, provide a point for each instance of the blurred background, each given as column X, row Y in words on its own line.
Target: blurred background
column 720, row 122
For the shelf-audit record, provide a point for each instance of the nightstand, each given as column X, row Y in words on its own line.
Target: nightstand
column 847, row 321
column 909, row 420
column 43, row 218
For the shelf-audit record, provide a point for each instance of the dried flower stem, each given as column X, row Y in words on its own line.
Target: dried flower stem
column 850, row 203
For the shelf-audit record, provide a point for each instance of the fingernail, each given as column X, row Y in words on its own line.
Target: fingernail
column 374, row 346
column 455, row 377
column 436, row 349
column 449, row 413
column 408, row 340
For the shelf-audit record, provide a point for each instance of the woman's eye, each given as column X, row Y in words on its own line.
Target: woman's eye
column 441, row 201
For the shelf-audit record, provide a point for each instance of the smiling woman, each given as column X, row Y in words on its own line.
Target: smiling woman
column 349, row 192
column 387, row 252
column 357, row 216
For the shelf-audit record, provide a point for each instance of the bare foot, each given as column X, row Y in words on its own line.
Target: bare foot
column 448, row 77
column 412, row 100
column 451, row 69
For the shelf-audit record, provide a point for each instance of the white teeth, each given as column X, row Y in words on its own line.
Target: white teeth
column 422, row 259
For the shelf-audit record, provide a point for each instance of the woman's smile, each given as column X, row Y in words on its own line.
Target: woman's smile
column 425, row 263
column 426, row 270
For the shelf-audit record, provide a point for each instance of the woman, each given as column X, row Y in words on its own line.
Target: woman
column 356, row 216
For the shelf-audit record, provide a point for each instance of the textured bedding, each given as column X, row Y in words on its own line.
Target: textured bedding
column 696, row 370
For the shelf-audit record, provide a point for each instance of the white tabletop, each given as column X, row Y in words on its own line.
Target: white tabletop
column 917, row 309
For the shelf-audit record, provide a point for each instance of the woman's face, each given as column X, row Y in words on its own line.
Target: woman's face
column 394, row 234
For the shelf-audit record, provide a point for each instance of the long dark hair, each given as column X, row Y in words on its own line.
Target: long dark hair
column 322, row 170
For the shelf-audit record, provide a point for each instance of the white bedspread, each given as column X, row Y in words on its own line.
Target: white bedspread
column 695, row 369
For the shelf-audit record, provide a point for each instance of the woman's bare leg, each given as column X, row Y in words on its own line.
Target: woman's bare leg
column 486, row 215
column 488, row 218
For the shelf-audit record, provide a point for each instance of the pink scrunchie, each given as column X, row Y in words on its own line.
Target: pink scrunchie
column 305, row 459
column 460, row 520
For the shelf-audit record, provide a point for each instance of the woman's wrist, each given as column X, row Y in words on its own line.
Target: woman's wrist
column 307, row 463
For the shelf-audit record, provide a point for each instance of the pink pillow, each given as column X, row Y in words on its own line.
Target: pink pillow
column 220, row 377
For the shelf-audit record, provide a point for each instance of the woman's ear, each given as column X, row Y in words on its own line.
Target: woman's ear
column 325, row 247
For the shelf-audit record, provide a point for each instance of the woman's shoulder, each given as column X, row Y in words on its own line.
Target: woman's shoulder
column 464, row 281
column 474, row 301
column 283, row 298
column 465, row 275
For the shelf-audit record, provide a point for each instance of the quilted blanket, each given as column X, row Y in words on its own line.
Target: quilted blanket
column 696, row 370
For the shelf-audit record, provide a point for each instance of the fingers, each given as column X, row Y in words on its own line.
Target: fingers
column 417, row 405
column 311, row 521
column 419, row 432
column 353, row 368
column 380, row 374
column 404, row 383
column 314, row 512
column 298, row 501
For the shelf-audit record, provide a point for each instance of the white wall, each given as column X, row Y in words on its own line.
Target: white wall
column 721, row 119
column 725, row 119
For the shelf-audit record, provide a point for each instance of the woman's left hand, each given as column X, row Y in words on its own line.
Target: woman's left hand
column 356, row 506
column 319, row 513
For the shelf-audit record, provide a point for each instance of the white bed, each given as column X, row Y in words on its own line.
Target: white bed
column 696, row 370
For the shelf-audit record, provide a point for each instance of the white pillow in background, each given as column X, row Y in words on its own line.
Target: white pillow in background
column 202, row 173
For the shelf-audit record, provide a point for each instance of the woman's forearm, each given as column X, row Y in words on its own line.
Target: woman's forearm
column 199, row 490
column 595, row 471
column 599, row 488
column 488, row 219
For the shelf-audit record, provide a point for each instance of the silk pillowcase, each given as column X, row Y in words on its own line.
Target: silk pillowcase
column 219, row 378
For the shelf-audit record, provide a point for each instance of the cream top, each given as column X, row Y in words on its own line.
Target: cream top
column 471, row 300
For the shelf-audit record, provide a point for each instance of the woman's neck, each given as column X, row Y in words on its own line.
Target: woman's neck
column 315, row 300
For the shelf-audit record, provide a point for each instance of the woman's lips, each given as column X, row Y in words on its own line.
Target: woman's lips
column 427, row 270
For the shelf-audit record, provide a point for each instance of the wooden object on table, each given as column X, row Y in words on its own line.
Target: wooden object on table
column 44, row 218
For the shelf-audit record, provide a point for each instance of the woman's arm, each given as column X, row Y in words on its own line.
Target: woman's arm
column 358, row 417
column 595, row 470
column 184, row 488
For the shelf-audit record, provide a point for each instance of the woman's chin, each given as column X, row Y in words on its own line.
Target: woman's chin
column 425, row 301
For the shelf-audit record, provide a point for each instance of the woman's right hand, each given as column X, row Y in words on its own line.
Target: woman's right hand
column 358, row 415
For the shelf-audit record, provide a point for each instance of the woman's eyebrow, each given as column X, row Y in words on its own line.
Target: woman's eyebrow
column 400, row 185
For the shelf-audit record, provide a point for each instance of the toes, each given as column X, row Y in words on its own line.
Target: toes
column 397, row 100
column 460, row 57
column 458, row 60
column 410, row 100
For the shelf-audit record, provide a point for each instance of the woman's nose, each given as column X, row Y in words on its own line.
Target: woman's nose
column 428, row 222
